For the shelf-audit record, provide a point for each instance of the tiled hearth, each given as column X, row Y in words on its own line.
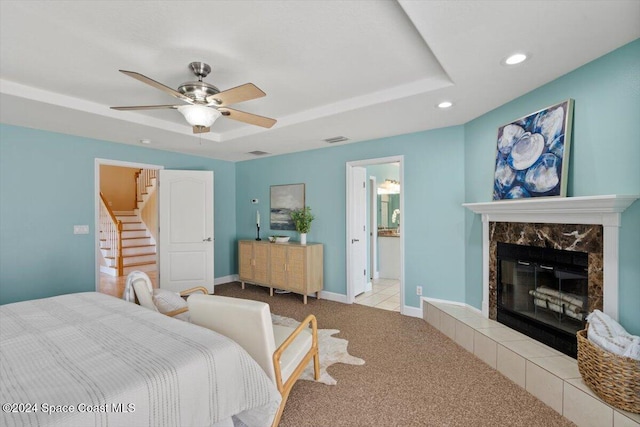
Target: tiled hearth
column 588, row 224
column 544, row 372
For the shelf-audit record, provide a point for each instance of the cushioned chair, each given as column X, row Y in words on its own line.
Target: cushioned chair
column 282, row 352
column 140, row 288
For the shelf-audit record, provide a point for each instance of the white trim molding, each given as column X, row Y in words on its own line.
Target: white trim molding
column 444, row 301
column 410, row 311
column 226, row 279
column 332, row 296
column 602, row 210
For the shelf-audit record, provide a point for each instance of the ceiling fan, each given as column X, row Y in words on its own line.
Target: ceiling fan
column 205, row 102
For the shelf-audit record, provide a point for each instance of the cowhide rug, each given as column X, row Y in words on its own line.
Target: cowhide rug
column 331, row 350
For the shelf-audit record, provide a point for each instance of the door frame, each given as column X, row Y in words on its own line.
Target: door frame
column 373, row 225
column 350, row 207
column 96, row 191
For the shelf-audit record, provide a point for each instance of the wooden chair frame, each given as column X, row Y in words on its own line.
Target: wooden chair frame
column 285, row 388
column 274, row 347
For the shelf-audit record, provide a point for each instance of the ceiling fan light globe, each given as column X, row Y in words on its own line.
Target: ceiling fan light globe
column 199, row 115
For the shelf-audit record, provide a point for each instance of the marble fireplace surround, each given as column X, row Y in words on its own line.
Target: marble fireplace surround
column 604, row 211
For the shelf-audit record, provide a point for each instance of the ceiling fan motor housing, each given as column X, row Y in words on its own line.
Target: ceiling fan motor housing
column 199, row 91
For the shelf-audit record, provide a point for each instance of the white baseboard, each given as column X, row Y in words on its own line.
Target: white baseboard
column 472, row 308
column 444, row 301
column 225, row 279
column 332, row 296
column 412, row 311
column 459, row 304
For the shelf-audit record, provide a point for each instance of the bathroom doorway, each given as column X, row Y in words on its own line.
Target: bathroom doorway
column 385, row 242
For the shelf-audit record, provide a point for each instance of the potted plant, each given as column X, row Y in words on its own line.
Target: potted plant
column 302, row 219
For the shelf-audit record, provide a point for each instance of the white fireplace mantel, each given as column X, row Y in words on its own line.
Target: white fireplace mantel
column 602, row 210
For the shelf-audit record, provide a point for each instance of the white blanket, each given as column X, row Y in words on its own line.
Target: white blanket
column 107, row 362
column 611, row 336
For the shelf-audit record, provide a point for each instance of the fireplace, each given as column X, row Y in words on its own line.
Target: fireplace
column 543, row 293
column 589, row 224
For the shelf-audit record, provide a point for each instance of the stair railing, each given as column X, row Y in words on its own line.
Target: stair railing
column 143, row 180
column 111, row 229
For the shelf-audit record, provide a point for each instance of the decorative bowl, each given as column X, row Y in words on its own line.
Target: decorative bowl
column 279, row 239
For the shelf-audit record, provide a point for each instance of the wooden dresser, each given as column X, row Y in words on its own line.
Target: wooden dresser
column 289, row 266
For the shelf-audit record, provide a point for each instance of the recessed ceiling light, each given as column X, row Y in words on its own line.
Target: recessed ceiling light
column 516, row 58
column 145, row 141
column 445, row 104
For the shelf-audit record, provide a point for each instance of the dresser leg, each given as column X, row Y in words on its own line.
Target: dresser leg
column 304, row 298
column 318, row 295
column 270, row 292
column 242, row 285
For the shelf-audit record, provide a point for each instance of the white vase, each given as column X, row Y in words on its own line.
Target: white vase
column 303, row 238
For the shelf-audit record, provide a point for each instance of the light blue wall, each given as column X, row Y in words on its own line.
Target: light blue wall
column 433, row 188
column 605, row 158
column 443, row 169
column 47, row 186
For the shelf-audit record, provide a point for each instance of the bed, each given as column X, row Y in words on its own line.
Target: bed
column 90, row 359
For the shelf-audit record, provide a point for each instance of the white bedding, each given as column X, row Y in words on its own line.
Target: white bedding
column 132, row 366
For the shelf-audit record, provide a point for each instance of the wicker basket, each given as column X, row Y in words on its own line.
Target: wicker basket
column 614, row 378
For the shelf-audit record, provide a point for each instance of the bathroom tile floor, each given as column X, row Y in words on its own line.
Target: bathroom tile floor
column 385, row 294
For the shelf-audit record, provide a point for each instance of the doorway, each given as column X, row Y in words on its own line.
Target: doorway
column 106, row 281
column 382, row 219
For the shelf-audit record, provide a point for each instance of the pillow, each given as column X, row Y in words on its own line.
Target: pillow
column 167, row 301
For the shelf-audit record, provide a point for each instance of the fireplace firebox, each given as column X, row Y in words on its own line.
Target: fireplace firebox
column 543, row 293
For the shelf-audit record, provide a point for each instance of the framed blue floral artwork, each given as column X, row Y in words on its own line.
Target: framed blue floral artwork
column 532, row 156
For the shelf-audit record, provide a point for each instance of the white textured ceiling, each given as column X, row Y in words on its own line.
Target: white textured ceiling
column 360, row 69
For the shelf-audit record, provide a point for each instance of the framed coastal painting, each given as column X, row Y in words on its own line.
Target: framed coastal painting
column 532, row 155
column 284, row 199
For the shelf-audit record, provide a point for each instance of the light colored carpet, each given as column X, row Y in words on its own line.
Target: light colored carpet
column 414, row 376
column 331, row 350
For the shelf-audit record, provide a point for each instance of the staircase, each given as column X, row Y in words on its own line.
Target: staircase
column 138, row 247
column 124, row 232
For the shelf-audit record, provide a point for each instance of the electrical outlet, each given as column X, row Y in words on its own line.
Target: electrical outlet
column 418, row 290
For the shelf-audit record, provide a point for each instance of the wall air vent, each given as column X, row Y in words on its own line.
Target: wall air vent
column 258, row 153
column 336, row 139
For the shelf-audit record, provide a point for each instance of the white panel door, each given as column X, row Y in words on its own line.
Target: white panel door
column 357, row 227
column 186, row 229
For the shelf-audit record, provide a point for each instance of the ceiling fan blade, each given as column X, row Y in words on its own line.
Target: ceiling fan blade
column 144, row 107
column 157, row 85
column 237, row 94
column 252, row 119
column 201, row 129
